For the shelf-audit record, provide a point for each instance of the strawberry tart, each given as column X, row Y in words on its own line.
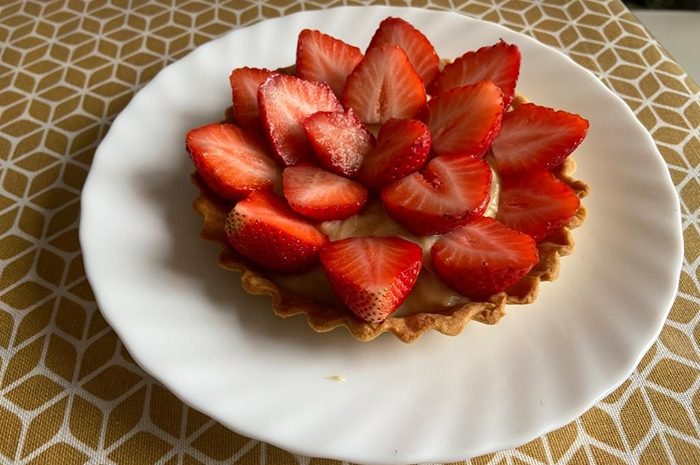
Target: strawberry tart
column 390, row 190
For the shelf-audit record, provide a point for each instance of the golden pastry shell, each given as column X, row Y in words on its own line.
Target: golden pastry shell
column 450, row 321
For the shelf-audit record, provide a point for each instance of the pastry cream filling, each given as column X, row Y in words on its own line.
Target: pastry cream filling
column 428, row 294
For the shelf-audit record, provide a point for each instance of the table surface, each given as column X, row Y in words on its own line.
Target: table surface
column 70, row 393
column 679, row 32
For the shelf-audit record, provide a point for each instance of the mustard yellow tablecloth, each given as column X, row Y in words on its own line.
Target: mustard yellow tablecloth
column 70, row 393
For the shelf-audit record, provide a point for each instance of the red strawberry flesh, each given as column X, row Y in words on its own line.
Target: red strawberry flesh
column 372, row 275
column 498, row 63
column 285, row 102
column 384, row 85
column 452, row 190
column 339, row 141
column 244, row 89
column 321, row 195
column 321, row 57
column 537, row 204
column 232, row 162
column 465, row 119
column 483, row 258
column 402, row 148
column 420, row 52
column 265, row 230
column 534, row 138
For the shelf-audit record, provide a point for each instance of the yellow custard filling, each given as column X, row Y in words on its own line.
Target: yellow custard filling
column 428, row 294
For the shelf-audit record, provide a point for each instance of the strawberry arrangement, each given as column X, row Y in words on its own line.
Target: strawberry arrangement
column 344, row 129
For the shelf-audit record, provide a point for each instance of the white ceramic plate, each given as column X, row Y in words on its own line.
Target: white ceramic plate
column 441, row 399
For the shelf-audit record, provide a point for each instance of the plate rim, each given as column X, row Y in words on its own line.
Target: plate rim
column 147, row 365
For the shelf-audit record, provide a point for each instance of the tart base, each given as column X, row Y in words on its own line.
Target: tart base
column 450, row 321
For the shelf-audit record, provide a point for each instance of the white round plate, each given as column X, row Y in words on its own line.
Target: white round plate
column 442, row 398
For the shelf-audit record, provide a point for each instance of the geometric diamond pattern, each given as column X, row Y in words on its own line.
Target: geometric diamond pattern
column 70, row 393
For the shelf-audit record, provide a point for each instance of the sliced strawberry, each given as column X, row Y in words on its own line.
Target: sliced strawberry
column 339, row 140
column 534, row 138
column 384, row 85
column 244, row 89
column 537, row 204
column 322, row 195
column 420, row 52
column 465, row 119
column 285, row 102
column 372, row 275
column 499, row 63
column 402, row 148
column 321, row 57
column 483, row 258
column 232, row 162
column 264, row 229
column 452, row 190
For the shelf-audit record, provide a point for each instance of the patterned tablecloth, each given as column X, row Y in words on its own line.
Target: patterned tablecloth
column 70, row 393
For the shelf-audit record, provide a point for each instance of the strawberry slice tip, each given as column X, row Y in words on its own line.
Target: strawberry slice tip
column 534, row 138
column 285, row 102
column 265, row 230
column 483, row 258
column 402, row 148
column 321, row 195
column 465, row 119
column 420, row 52
column 498, row 63
column 384, row 85
column 244, row 89
column 372, row 275
column 232, row 162
column 339, row 141
column 452, row 190
column 537, row 204
column 321, row 57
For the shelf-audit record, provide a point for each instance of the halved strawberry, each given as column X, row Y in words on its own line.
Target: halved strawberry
column 321, row 57
column 420, row 52
column 402, row 148
column 483, row 258
column 232, row 162
column 534, row 138
column 384, row 85
column 372, row 275
column 264, row 229
column 465, row 119
column 537, row 204
column 498, row 63
column 285, row 102
column 244, row 89
column 339, row 140
column 322, row 195
column 452, row 190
